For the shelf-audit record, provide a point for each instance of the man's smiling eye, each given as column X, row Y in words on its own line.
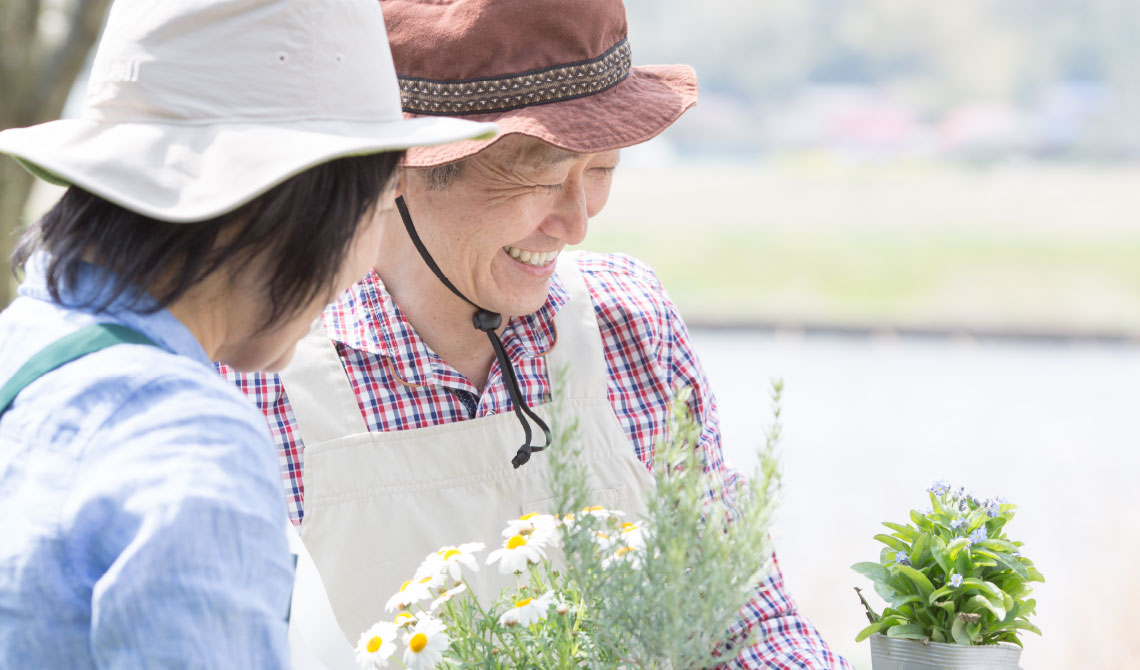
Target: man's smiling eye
column 551, row 188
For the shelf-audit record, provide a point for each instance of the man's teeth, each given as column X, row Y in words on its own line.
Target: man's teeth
column 531, row 257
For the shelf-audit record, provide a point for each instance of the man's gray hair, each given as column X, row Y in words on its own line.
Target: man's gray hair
column 441, row 177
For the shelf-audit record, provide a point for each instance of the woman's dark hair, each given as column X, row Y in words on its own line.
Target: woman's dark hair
column 301, row 229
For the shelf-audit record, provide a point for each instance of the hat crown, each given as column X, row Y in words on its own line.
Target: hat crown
column 458, row 40
column 234, row 61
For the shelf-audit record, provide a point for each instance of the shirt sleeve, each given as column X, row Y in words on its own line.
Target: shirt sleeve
column 268, row 395
column 178, row 528
column 785, row 639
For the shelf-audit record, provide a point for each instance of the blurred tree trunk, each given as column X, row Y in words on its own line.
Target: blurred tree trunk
column 39, row 61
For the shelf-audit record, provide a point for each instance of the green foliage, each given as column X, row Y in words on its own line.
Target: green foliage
column 703, row 558
column 951, row 575
column 663, row 592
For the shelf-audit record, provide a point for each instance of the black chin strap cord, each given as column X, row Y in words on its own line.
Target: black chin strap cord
column 486, row 321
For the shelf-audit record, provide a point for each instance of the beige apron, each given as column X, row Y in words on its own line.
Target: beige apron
column 377, row 503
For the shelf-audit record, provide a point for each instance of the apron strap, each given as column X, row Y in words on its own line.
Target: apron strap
column 65, row 350
column 579, row 349
column 319, row 391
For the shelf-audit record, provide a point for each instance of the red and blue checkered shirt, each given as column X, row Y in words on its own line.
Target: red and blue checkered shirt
column 401, row 384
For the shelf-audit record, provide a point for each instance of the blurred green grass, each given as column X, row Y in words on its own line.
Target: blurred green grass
column 956, row 250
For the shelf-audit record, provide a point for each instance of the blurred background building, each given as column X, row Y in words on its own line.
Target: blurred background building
column 921, row 215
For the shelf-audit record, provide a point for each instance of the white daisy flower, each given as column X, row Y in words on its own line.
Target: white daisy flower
column 404, row 619
column 516, row 553
column 376, row 646
column 447, row 595
column 602, row 512
column 632, row 555
column 413, row 591
column 540, row 525
column 426, row 644
column 528, row 610
column 633, row 534
column 451, row 560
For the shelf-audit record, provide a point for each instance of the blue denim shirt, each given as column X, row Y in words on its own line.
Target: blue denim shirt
column 143, row 522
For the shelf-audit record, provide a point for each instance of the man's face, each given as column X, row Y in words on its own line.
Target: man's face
column 497, row 229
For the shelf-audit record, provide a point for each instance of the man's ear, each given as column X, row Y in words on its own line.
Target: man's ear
column 401, row 180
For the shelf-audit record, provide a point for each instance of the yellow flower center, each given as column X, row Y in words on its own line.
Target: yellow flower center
column 403, row 618
column 595, row 508
column 516, row 541
column 522, row 603
column 627, row 526
column 404, row 586
column 527, row 517
column 374, row 644
column 450, row 553
column 417, row 643
column 623, row 551
column 425, row 580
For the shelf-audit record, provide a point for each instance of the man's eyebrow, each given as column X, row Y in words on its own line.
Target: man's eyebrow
column 547, row 156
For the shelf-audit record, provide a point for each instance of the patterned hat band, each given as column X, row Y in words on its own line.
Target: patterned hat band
column 501, row 94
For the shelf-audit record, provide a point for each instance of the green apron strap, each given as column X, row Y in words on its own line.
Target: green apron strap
column 66, row 349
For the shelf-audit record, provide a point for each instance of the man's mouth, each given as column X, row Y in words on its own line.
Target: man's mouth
column 535, row 258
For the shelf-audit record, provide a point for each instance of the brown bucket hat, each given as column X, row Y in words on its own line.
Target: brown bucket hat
column 556, row 70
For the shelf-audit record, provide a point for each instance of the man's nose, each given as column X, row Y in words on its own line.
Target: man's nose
column 570, row 217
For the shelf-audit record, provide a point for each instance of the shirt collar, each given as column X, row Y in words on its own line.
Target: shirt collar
column 92, row 284
column 367, row 318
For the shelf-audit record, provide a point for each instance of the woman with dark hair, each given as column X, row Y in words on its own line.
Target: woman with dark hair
column 225, row 180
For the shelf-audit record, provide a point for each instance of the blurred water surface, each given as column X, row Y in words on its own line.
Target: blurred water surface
column 869, row 422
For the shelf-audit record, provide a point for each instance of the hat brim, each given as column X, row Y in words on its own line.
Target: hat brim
column 639, row 108
column 192, row 172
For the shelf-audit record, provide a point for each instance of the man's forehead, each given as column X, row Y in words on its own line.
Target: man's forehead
column 532, row 152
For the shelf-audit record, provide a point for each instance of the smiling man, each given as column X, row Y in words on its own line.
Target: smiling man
column 415, row 413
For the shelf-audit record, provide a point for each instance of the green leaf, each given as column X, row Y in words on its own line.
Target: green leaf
column 909, row 631
column 1021, row 625
column 980, row 602
column 925, row 588
column 1012, row 563
column 940, row 553
column 869, row 631
column 893, row 542
column 958, row 632
column 919, row 520
column 974, row 630
column 1034, row 575
column 872, row 571
column 956, row 546
column 962, row 565
column 907, row 532
column 919, row 548
column 937, row 635
column 887, row 592
column 907, row 599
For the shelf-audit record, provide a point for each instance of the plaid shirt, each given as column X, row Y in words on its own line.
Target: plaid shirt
column 400, row 384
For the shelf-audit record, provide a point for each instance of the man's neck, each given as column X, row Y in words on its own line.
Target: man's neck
column 441, row 319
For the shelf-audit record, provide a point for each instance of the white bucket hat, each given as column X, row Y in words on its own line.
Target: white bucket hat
column 196, row 107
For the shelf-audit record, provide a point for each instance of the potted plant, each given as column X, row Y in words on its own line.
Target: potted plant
column 957, row 589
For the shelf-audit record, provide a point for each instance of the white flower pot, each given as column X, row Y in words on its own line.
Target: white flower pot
column 888, row 653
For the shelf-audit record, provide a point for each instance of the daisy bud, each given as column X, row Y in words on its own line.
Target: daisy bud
column 562, row 609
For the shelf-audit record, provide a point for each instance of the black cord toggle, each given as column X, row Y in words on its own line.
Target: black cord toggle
column 488, row 322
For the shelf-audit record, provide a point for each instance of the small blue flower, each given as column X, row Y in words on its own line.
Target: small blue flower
column 992, row 511
column 957, row 523
column 955, row 580
column 1001, row 500
column 939, row 487
column 978, row 535
column 926, row 511
column 902, row 558
column 1017, row 553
